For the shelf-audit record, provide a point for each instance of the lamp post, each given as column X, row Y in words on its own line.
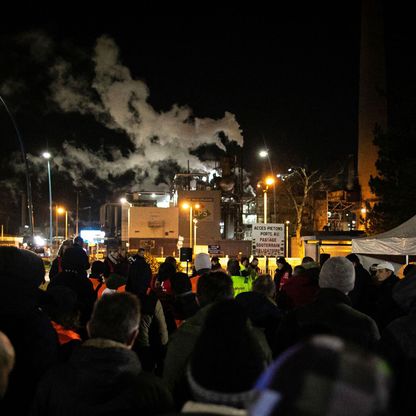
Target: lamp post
column 191, row 207
column 269, row 181
column 287, row 238
column 61, row 210
column 264, row 153
column 47, row 156
column 24, row 158
column 195, row 221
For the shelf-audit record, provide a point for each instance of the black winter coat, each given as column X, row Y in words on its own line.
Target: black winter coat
column 331, row 313
column 103, row 378
column 380, row 304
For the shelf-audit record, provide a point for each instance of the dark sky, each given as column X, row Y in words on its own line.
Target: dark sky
column 290, row 80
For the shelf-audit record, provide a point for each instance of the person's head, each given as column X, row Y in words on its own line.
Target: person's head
column 298, row 270
column 255, row 262
column 233, row 267
column 404, row 291
column 214, row 286
column 306, row 260
column 180, row 283
column 337, row 273
column 323, row 257
column 245, row 261
column 280, row 262
column 7, row 357
column 61, row 305
column 172, row 260
column 215, row 263
column 65, row 244
column 309, row 263
column 226, row 359
column 97, row 268
column 409, row 268
column 264, row 284
column 73, row 259
column 324, row 376
column 384, row 271
column 113, row 253
column 202, row 262
column 79, row 241
column 354, row 259
column 141, row 252
column 116, row 317
column 166, row 271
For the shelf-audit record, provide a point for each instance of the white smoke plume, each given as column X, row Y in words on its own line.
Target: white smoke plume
column 120, row 102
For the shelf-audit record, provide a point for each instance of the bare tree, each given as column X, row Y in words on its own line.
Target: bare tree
column 299, row 184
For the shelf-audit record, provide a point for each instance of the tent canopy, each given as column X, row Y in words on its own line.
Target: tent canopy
column 399, row 241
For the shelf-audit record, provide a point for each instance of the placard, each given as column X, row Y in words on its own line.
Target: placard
column 268, row 240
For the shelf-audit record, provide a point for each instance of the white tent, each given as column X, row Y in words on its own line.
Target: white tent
column 400, row 241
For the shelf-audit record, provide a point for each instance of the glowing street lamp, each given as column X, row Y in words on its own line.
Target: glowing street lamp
column 269, row 181
column 47, row 156
column 59, row 211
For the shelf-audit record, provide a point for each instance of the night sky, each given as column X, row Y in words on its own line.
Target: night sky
column 289, row 81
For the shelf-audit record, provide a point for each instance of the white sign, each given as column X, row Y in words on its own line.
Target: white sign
column 268, row 239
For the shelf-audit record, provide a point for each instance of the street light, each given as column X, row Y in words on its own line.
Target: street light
column 61, row 210
column 47, row 156
column 264, row 153
column 269, row 181
column 189, row 206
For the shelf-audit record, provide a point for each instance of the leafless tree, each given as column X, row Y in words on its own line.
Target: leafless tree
column 299, row 184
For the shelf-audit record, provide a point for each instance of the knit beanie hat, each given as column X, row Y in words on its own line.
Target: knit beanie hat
column 202, row 261
column 227, row 358
column 324, row 376
column 337, row 273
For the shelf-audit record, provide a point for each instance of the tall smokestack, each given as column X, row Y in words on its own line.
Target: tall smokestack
column 372, row 99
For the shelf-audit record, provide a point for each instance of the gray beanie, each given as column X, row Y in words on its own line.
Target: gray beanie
column 337, row 273
column 202, row 261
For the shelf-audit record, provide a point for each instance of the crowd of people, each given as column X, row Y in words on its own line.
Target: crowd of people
column 322, row 338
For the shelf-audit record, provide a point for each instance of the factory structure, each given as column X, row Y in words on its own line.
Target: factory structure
column 209, row 212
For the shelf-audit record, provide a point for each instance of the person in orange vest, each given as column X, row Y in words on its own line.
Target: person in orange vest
column 61, row 305
column 97, row 275
column 202, row 265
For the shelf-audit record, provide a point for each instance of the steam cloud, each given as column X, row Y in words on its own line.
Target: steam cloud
column 120, row 103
